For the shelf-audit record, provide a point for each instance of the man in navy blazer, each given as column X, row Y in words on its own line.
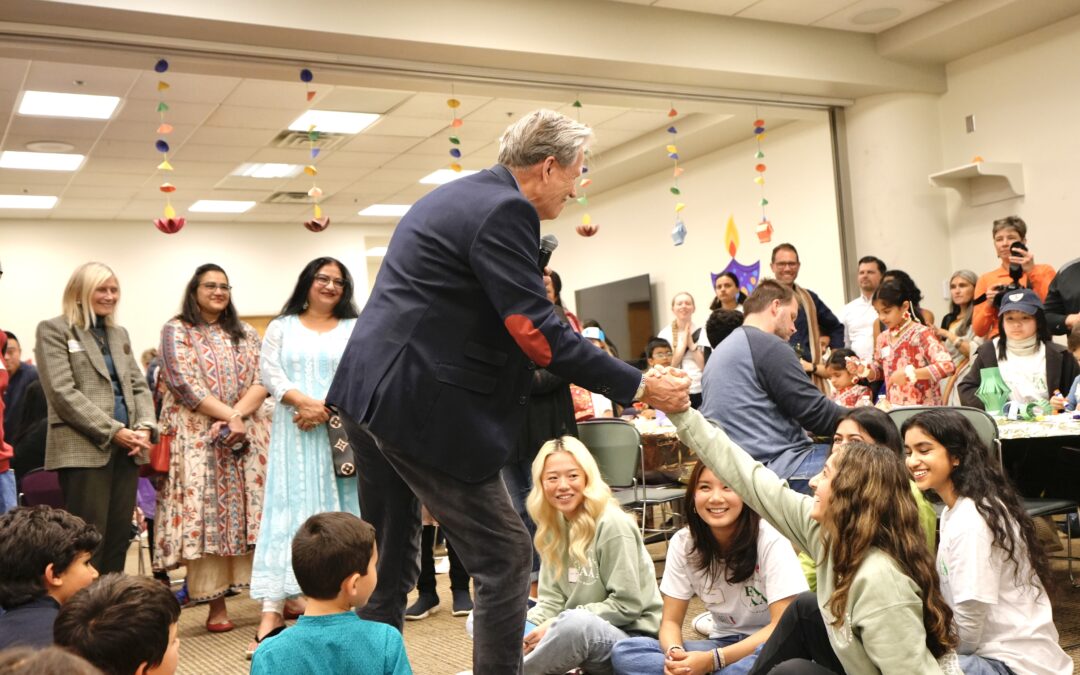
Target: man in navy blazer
column 438, row 371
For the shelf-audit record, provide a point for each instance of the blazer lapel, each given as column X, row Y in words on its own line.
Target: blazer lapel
column 86, row 339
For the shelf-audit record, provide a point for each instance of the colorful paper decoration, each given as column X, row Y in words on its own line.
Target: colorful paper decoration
column 764, row 228
column 170, row 223
column 455, row 140
column 318, row 222
column 678, row 232
column 748, row 275
column 587, row 228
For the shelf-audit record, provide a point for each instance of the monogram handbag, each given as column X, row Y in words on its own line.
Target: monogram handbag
column 341, row 449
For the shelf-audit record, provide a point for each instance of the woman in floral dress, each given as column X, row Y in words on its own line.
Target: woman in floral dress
column 210, row 506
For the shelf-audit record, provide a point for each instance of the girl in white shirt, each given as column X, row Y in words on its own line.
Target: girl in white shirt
column 688, row 343
column 994, row 574
column 740, row 566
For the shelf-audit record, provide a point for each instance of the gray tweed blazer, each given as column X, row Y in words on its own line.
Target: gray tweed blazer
column 80, row 395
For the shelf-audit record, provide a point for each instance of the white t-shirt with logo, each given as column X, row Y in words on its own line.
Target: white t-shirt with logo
column 1018, row 628
column 742, row 608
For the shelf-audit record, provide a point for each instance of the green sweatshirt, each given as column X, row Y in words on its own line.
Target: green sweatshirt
column 882, row 630
column 618, row 585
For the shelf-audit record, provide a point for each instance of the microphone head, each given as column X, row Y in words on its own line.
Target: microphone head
column 549, row 243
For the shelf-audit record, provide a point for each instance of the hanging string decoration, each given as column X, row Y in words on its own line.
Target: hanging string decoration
column 678, row 233
column 169, row 223
column 764, row 227
column 587, row 228
column 748, row 275
column 318, row 221
column 455, row 140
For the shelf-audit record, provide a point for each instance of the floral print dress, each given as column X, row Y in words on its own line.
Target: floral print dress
column 212, row 500
column 915, row 345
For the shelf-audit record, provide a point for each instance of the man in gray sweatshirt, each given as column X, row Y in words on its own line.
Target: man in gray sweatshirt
column 754, row 386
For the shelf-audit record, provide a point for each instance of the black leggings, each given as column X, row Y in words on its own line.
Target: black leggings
column 799, row 645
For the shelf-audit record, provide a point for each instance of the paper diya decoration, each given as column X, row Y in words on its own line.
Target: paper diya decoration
column 748, row 275
column 455, row 140
column 764, row 228
column 764, row 232
column 678, row 232
column 170, row 223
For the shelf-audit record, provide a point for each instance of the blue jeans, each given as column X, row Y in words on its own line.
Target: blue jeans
column 9, row 499
column 642, row 655
column 518, row 479
column 811, row 466
column 977, row 665
column 576, row 638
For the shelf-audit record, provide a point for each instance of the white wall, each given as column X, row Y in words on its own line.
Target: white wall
column 262, row 261
column 636, row 220
column 1025, row 100
column 894, row 143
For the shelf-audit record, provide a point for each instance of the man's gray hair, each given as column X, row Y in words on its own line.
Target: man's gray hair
column 540, row 134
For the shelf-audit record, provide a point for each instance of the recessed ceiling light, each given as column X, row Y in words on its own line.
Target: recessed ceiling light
column 385, row 210
column 49, row 146
column 26, row 202
column 52, row 104
column 43, row 161
column 333, row 121
column 376, row 252
column 271, row 170
column 874, row 16
column 444, row 176
column 221, row 206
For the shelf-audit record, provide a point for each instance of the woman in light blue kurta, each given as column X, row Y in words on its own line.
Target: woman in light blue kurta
column 300, row 354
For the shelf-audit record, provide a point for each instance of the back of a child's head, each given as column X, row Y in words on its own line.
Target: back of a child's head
column 327, row 549
column 838, row 358
column 47, row 661
column 721, row 323
column 32, row 538
column 118, row 623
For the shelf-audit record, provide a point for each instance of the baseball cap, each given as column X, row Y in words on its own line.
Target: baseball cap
column 593, row 333
column 1020, row 300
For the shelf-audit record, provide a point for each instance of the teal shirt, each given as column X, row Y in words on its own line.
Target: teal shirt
column 332, row 644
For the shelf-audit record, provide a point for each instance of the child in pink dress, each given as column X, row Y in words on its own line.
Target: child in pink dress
column 907, row 354
column 846, row 388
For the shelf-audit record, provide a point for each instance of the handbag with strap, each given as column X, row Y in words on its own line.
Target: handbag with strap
column 160, row 454
column 341, row 448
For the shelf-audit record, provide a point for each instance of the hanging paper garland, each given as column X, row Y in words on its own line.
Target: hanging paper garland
column 587, row 228
column 764, row 228
column 455, row 140
column 170, row 223
column 318, row 221
column 678, row 233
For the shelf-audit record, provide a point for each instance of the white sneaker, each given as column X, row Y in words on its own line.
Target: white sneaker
column 703, row 623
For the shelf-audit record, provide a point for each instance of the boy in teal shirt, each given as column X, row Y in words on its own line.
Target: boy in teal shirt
column 334, row 558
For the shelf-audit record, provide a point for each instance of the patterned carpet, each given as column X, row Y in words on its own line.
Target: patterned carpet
column 438, row 645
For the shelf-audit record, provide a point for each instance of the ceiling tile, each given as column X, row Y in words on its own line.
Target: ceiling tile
column 848, row 17
column 53, row 129
column 433, row 106
column 146, row 131
column 232, row 136
column 12, row 72
column 424, row 164
column 355, row 99
column 220, row 153
column 797, row 12
column 141, row 150
column 144, row 109
column 366, row 142
column 253, row 118
column 591, row 114
column 356, row 160
column 28, row 179
column 507, row 110
column 399, row 124
column 80, row 78
column 273, row 94
column 636, row 120
column 103, row 179
column 184, row 87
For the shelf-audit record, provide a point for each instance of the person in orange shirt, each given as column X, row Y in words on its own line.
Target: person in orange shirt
column 1006, row 232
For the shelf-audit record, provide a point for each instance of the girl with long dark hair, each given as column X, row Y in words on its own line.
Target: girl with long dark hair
column 907, row 354
column 743, row 570
column 994, row 572
column 878, row 606
column 728, row 293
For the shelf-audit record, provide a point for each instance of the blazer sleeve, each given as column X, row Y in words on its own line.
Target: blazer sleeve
column 984, row 358
column 144, row 414
column 504, row 257
column 58, row 380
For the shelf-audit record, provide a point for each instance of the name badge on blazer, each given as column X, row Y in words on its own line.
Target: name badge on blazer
column 75, row 346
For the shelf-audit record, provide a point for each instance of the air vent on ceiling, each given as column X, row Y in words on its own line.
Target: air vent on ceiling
column 299, row 140
column 288, row 198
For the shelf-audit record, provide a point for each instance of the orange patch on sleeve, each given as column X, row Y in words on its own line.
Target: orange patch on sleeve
column 529, row 338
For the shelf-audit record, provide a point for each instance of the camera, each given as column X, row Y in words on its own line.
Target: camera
column 1015, row 272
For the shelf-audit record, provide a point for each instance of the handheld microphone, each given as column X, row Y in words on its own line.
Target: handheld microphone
column 548, row 244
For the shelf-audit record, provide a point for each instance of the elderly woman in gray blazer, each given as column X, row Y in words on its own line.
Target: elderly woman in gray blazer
column 101, row 414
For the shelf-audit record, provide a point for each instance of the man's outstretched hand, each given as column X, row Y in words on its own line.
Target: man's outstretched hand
column 667, row 389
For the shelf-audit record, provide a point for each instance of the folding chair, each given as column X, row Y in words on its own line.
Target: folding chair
column 39, row 486
column 616, row 446
column 987, row 429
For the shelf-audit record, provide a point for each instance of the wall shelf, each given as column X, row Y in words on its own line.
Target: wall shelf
column 983, row 182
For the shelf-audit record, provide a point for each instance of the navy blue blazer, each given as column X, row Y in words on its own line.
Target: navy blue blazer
column 440, row 362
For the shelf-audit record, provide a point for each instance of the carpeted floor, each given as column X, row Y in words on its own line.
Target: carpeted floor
column 438, row 645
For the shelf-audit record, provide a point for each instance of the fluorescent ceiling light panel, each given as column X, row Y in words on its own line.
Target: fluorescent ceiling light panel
column 51, row 104
column 333, row 121
column 444, row 176
column 385, row 210
column 26, row 202
column 271, row 170
column 221, row 206
column 376, row 252
column 41, row 161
